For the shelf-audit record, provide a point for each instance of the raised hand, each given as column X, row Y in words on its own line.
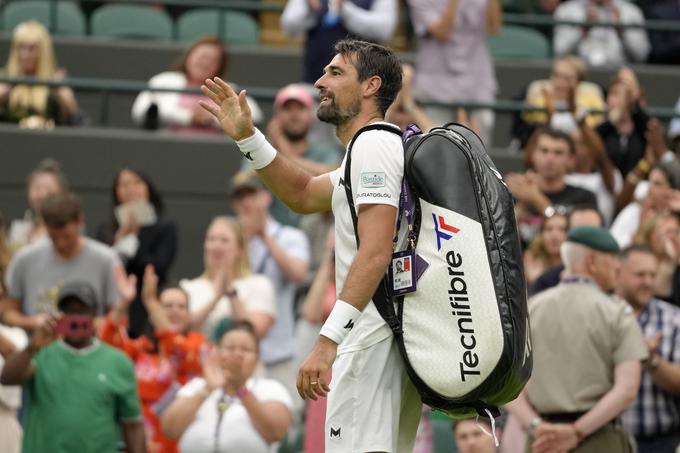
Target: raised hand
column 212, row 370
column 150, row 284
column 228, row 108
column 126, row 285
column 44, row 333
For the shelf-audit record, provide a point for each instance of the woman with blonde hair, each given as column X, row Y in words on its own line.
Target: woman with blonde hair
column 32, row 55
column 661, row 233
column 227, row 289
column 543, row 252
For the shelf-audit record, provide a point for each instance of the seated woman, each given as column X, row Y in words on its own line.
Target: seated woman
column 35, row 106
column 228, row 289
column 205, row 59
column 166, row 357
column 46, row 179
column 139, row 234
column 543, row 252
column 566, row 84
column 229, row 409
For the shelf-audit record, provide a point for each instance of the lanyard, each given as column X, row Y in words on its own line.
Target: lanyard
column 406, row 206
column 223, row 404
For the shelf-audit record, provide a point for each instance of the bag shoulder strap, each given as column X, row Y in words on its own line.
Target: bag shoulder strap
column 381, row 298
column 348, row 170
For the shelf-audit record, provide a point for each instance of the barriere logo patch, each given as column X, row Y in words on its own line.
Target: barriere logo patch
column 443, row 230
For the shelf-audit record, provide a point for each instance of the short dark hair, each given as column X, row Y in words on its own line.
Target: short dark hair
column 635, row 248
column 557, row 135
column 243, row 326
column 59, row 209
column 370, row 60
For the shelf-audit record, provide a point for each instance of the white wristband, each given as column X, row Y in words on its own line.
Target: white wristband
column 257, row 150
column 340, row 322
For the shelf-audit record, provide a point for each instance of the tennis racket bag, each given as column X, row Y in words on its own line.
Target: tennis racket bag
column 464, row 333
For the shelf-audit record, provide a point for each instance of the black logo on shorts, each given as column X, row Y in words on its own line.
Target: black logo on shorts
column 248, row 156
column 335, row 433
column 341, row 183
column 349, row 325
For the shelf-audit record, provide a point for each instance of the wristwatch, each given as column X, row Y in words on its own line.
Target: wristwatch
column 651, row 363
column 534, row 424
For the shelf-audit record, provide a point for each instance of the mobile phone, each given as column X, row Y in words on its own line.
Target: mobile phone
column 75, row 326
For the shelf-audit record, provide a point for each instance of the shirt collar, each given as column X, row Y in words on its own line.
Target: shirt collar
column 82, row 351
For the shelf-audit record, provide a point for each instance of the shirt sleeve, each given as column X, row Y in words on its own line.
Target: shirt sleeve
column 271, row 391
column 295, row 243
column 376, row 23
column 297, row 17
column 191, row 388
column 629, row 343
column 14, row 277
column 377, row 168
column 111, row 289
column 258, row 295
column 127, row 401
column 567, row 36
column 635, row 39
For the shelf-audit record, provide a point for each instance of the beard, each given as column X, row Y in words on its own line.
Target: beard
column 295, row 135
column 331, row 113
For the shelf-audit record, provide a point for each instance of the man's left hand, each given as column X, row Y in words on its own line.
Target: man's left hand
column 554, row 437
column 311, row 381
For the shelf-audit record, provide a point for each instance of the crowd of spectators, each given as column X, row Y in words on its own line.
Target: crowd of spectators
column 106, row 338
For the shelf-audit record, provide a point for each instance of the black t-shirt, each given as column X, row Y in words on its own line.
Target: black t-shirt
column 572, row 196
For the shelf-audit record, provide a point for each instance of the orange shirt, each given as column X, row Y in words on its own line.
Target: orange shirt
column 178, row 359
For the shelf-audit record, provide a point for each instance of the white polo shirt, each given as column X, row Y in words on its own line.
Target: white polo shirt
column 377, row 172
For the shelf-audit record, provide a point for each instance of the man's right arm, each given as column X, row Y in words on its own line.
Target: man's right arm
column 18, row 367
column 298, row 189
column 615, row 401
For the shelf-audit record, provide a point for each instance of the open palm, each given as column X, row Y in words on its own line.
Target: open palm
column 230, row 109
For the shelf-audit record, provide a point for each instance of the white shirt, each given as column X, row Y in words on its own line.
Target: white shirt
column 601, row 46
column 377, row 23
column 170, row 110
column 377, row 172
column 10, row 396
column 606, row 203
column 255, row 292
column 235, row 432
column 279, row 343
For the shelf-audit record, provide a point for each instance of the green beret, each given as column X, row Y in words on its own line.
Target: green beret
column 596, row 238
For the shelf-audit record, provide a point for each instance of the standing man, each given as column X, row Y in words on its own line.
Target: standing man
column 281, row 253
column 81, row 391
column 654, row 417
column 372, row 407
column 587, row 353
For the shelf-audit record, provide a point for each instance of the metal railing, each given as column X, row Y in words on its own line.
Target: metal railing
column 107, row 87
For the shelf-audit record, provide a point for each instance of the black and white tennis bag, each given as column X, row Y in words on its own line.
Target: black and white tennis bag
column 464, row 333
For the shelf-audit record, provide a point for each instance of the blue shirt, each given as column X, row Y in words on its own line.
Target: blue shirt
column 656, row 412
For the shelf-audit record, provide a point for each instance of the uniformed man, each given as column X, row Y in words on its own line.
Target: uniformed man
column 587, row 353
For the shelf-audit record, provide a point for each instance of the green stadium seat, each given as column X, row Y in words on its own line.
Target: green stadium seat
column 518, row 43
column 237, row 27
column 69, row 21
column 442, row 431
column 131, row 22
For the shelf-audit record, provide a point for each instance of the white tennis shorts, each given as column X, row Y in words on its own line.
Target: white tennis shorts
column 372, row 405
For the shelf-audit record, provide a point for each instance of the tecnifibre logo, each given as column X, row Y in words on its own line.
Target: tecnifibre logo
column 442, row 230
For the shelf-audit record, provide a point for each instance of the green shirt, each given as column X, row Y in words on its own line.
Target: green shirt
column 78, row 399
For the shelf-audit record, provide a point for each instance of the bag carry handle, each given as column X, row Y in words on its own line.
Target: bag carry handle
column 381, row 298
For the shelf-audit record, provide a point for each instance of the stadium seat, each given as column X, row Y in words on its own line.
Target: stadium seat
column 131, row 22
column 442, row 431
column 518, row 43
column 69, row 20
column 237, row 27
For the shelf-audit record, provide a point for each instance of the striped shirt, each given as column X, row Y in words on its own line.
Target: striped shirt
column 656, row 412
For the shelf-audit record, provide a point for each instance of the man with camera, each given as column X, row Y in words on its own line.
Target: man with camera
column 79, row 389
